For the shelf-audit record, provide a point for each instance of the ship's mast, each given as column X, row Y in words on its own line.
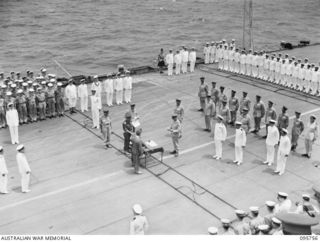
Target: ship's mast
column 247, row 38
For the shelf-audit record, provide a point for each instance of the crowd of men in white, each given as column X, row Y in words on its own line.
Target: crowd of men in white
column 28, row 99
column 283, row 70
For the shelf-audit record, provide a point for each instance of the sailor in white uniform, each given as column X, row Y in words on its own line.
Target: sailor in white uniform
column 271, row 141
column 184, row 59
column 24, row 168
column 178, row 62
column 220, row 135
column 283, row 152
column 231, row 59
column 108, row 87
column 95, row 110
column 254, row 61
column 12, row 119
column 315, row 74
column 139, row 224
column 3, row 173
column 239, row 143
column 277, row 70
column 96, row 85
column 83, row 95
column 226, row 58
column 169, row 61
column 192, row 59
column 243, row 58
column 118, row 86
column 284, row 204
column 127, row 86
column 220, row 57
column 71, row 95
column 307, row 79
column 272, row 69
column 289, row 72
column 283, row 72
column 301, row 77
column 295, row 75
column 206, row 52
column 213, row 49
column 249, row 63
column 237, row 61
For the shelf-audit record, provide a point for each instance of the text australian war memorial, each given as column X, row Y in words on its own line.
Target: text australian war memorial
column 176, row 123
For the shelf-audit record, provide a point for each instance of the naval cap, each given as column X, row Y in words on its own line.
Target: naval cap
column 245, row 109
column 43, row 70
column 270, row 102
column 9, row 94
column 220, row 117
column 284, row 130
column 240, row 212
column 238, row 123
column 178, row 100
column 34, row 84
column 213, row 230
column 137, row 208
column 4, row 86
column 270, row 204
column 59, row 84
column 43, row 83
column 272, row 121
column 31, row 90
column 20, row 147
column 313, row 116
column 50, row 85
column 13, row 85
column 225, row 221
column 20, row 91
column 263, row 227
column 29, row 82
column 306, row 197
column 282, row 194
column 276, row 221
column 254, row 209
column 202, row 78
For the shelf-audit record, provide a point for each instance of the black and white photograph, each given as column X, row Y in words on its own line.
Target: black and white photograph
column 159, row 117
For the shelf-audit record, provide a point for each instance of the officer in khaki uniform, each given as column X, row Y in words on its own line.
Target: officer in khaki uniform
column 178, row 110
column 41, row 101
column 283, row 119
column 240, row 226
column 175, row 130
column 258, row 113
column 245, row 102
column 214, row 93
column 226, row 229
column 297, row 129
column 233, row 106
column 209, row 113
column 22, row 107
column 245, row 120
column 222, row 97
column 32, row 106
column 59, row 99
column 202, row 93
column 51, row 101
column 256, row 220
column 270, row 114
column 105, row 127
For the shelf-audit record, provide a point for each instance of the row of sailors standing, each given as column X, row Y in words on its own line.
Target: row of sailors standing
column 181, row 59
column 284, row 71
column 214, row 51
column 121, row 86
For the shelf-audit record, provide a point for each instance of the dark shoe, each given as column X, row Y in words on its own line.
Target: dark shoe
column 200, row 110
column 205, row 129
column 305, row 155
column 173, row 152
column 264, row 137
